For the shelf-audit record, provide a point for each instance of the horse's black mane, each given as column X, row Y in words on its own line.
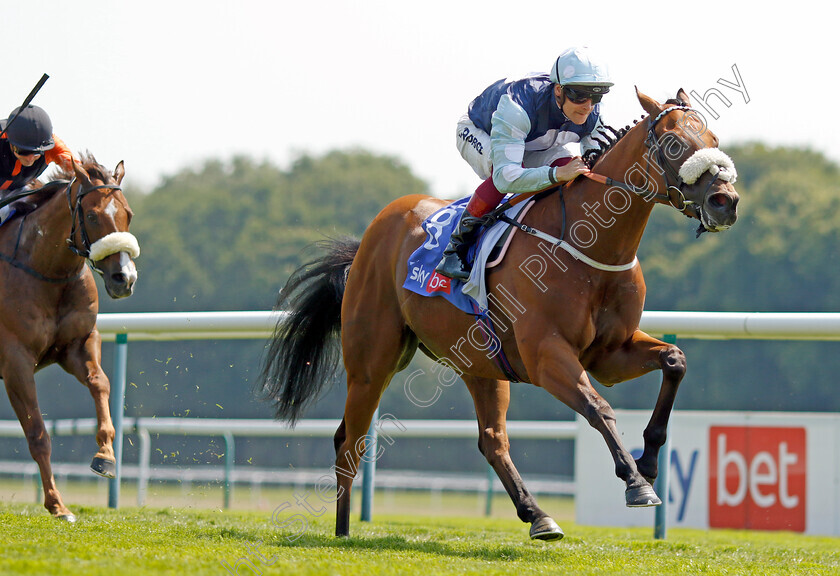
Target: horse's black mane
column 605, row 142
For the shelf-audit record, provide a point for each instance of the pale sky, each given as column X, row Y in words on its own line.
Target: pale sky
column 166, row 85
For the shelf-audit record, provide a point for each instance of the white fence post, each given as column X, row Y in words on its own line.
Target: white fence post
column 369, row 469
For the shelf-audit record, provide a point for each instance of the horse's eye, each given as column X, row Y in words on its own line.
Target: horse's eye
column 92, row 218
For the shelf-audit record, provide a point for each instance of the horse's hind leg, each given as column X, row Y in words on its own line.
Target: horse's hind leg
column 343, row 483
column 83, row 362
column 351, row 443
column 20, row 387
column 492, row 398
column 373, row 353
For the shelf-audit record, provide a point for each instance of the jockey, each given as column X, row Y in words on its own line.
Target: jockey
column 514, row 136
column 28, row 147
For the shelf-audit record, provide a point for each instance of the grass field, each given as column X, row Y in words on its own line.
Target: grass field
column 453, row 539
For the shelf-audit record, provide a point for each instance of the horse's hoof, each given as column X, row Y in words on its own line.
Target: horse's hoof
column 641, row 497
column 71, row 518
column 546, row 529
column 103, row 467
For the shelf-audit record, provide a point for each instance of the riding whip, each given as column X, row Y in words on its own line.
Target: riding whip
column 26, row 102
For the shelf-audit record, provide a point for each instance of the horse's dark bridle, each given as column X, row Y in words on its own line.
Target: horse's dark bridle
column 77, row 217
column 674, row 195
column 674, row 183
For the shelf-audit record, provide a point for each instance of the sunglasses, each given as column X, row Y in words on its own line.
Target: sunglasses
column 22, row 152
column 579, row 96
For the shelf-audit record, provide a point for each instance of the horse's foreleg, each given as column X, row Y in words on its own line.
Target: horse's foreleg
column 640, row 355
column 492, row 398
column 562, row 375
column 20, row 387
column 84, row 362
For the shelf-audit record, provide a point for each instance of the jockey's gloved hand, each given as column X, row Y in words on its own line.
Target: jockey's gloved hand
column 6, row 212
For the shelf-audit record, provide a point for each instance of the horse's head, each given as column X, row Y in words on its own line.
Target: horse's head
column 699, row 177
column 101, row 217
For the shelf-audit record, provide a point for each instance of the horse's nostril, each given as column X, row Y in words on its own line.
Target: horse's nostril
column 718, row 200
column 119, row 278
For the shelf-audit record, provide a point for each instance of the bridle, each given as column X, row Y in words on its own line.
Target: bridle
column 674, row 195
column 674, row 182
column 77, row 217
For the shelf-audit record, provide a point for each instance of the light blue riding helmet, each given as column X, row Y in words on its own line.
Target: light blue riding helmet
column 578, row 66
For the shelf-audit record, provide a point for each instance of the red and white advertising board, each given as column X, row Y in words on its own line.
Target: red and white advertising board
column 742, row 470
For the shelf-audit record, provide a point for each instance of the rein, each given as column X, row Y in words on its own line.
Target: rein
column 78, row 223
column 13, row 261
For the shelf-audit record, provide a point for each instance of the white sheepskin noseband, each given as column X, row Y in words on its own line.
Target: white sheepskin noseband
column 113, row 243
column 711, row 159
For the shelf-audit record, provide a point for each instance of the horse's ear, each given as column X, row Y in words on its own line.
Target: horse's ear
column 119, row 172
column 650, row 105
column 81, row 174
column 681, row 95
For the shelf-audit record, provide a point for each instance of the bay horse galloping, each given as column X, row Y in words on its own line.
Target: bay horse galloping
column 49, row 300
column 566, row 303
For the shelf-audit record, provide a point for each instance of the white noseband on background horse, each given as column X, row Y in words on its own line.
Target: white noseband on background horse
column 113, row 243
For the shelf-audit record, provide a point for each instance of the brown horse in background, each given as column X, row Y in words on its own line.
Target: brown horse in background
column 49, row 301
column 557, row 316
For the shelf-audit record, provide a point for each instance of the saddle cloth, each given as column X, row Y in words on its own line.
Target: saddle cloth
column 469, row 296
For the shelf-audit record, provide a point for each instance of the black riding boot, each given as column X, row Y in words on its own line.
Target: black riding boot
column 454, row 262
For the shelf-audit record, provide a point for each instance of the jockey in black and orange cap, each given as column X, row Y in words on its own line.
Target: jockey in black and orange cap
column 28, row 147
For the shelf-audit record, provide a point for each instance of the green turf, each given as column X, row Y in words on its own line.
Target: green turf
column 190, row 541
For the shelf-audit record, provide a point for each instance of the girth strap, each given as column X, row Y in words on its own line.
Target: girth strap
column 485, row 323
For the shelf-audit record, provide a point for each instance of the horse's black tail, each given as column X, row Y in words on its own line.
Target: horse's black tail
column 304, row 352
